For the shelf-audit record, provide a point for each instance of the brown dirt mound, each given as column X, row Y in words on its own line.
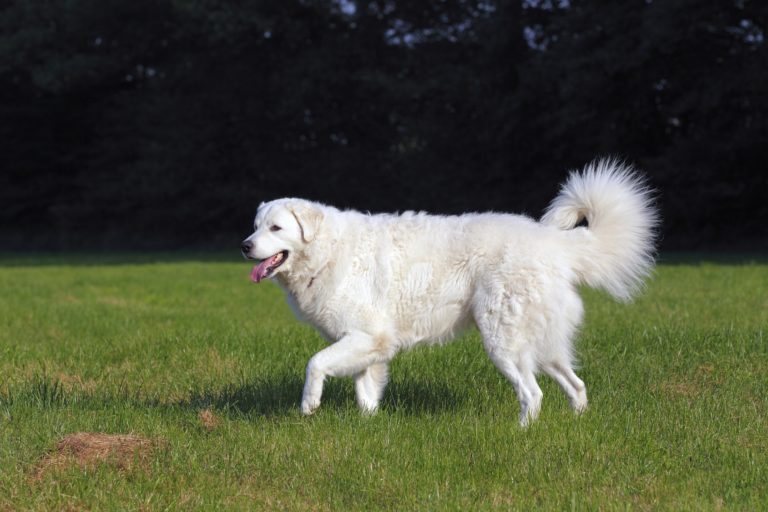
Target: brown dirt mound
column 87, row 449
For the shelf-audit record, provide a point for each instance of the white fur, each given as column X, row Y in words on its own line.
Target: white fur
column 374, row 285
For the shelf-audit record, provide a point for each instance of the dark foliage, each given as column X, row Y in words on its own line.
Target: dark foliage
column 163, row 123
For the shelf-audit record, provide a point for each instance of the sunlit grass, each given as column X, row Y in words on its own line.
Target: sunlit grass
column 678, row 387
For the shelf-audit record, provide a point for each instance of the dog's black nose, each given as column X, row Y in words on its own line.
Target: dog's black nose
column 246, row 247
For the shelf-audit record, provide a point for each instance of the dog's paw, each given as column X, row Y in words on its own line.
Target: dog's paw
column 309, row 407
column 367, row 406
column 579, row 405
column 369, row 409
column 528, row 418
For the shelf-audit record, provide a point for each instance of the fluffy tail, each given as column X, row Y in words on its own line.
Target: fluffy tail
column 616, row 251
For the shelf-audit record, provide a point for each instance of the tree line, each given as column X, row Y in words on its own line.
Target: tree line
column 163, row 123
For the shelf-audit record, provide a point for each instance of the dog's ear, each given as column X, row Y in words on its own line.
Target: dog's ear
column 309, row 218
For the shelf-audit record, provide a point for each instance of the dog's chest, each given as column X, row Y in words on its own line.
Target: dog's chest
column 320, row 310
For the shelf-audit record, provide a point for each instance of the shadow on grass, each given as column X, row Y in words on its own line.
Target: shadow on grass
column 269, row 397
column 281, row 395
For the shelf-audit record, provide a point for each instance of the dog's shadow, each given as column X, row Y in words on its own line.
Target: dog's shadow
column 281, row 395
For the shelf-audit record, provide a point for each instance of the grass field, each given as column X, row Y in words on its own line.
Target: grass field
column 207, row 369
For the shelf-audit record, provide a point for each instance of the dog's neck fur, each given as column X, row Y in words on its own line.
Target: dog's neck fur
column 312, row 268
column 298, row 279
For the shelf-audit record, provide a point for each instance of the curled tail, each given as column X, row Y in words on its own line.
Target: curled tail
column 616, row 251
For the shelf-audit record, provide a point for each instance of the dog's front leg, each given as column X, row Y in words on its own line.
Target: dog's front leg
column 369, row 387
column 352, row 354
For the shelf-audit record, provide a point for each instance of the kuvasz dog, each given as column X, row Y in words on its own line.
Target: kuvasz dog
column 374, row 285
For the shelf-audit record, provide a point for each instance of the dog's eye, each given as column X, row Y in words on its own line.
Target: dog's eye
column 275, row 228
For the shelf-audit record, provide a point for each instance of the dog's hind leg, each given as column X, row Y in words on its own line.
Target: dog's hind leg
column 521, row 376
column 349, row 356
column 529, row 374
column 512, row 355
column 557, row 352
column 369, row 386
column 510, row 325
column 570, row 383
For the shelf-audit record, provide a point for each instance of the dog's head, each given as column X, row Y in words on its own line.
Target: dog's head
column 282, row 230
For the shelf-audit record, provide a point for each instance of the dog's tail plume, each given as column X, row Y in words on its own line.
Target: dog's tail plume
column 616, row 250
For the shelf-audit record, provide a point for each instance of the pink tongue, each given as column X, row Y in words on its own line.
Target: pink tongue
column 259, row 272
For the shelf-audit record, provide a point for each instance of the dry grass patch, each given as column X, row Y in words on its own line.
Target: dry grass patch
column 76, row 382
column 704, row 379
column 209, row 420
column 86, row 450
column 256, row 492
column 685, row 389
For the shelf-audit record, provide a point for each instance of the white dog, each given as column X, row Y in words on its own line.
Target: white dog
column 374, row 285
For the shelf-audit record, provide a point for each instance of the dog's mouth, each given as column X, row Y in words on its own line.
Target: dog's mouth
column 267, row 267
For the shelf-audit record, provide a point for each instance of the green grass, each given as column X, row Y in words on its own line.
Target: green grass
column 678, row 387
